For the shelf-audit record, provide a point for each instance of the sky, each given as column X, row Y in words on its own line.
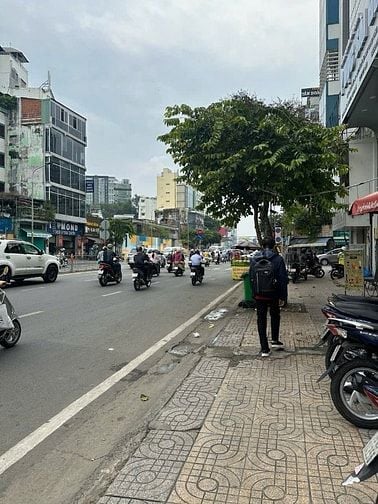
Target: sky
column 121, row 62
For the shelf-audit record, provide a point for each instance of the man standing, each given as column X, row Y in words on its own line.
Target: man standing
column 269, row 281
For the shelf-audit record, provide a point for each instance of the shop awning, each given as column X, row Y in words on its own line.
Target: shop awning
column 37, row 233
column 365, row 205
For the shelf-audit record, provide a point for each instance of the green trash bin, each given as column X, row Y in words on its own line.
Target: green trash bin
column 248, row 295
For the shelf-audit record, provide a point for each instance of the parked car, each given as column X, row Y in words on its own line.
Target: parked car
column 25, row 260
column 330, row 257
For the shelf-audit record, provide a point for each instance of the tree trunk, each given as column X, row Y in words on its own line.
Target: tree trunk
column 265, row 221
column 255, row 207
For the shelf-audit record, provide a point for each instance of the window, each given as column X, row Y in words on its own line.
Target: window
column 2, row 160
column 30, row 249
column 13, row 248
column 2, row 130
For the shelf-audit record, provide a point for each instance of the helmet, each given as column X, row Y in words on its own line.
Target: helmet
column 139, row 249
column 110, row 245
column 104, row 247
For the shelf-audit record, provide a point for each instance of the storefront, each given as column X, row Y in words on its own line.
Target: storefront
column 68, row 235
column 92, row 241
column 368, row 205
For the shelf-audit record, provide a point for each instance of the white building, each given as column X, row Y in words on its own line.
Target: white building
column 104, row 189
column 13, row 74
column 146, row 208
column 3, row 147
column 358, row 49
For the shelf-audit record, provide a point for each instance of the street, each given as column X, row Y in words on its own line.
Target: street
column 75, row 335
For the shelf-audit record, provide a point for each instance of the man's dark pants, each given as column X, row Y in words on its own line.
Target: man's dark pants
column 262, row 315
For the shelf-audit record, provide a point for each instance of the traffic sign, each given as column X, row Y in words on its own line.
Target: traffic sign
column 104, row 230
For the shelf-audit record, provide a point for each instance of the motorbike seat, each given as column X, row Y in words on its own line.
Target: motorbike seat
column 336, row 298
column 358, row 313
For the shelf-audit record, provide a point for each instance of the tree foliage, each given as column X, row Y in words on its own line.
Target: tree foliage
column 245, row 156
column 118, row 229
column 109, row 210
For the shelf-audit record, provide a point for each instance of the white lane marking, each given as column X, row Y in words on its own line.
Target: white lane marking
column 18, row 451
column 32, row 289
column 155, row 283
column 91, row 280
column 111, row 293
column 30, row 314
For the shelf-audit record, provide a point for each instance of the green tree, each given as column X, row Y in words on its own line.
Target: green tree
column 109, row 210
column 245, row 156
column 118, row 229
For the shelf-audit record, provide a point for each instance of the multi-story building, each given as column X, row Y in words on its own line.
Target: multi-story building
column 146, row 208
column 166, row 189
column 358, row 50
column 46, row 159
column 104, row 189
column 122, row 191
column 329, row 60
column 310, row 100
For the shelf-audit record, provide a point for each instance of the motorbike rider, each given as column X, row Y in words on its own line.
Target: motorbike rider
column 143, row 263
column 178, row 258
column 109, row 257
column 196, row 260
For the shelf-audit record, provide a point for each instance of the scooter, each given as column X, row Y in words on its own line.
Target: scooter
column 140, row 279
column 9, row 336
column 106, row 274
column 337, row 271
column 196, row 274
column 178, row 269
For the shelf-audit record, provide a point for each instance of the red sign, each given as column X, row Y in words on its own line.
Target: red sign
column 366, row 204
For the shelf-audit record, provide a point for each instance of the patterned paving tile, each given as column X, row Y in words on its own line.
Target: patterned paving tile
column 146, row 479
column 228, row 338
column 192, row 400
column 166, row 445
column 272, row 435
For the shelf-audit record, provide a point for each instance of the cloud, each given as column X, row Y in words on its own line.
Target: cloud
column 121, row 62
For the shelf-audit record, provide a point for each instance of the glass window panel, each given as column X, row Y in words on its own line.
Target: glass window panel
column 75, row 209
column 61, row 204
column 74, row 180
column 55, row 173
column 68, row 206
column 66, row 179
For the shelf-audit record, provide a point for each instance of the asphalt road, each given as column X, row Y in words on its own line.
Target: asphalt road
column 75, row 335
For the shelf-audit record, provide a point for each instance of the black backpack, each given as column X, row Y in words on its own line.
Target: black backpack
column 263, row 279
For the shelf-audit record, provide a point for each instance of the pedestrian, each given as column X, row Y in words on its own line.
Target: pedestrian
column 269, row 281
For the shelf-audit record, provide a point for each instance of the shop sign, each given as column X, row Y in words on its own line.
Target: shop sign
column 310, row 92
column 6, row 225
column 65, row 228
column 92, row 228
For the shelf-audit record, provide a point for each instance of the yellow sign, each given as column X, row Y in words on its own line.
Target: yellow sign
column 353, row 264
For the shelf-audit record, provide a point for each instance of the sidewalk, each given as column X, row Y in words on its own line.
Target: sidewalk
column 241, row 429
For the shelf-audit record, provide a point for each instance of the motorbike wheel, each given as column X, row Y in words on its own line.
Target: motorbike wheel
column 200, row 280
column 103, row 280
column 319, row 273
column 194, row 280
column 118, row 278
column 352, row 405
column 10, row 337
column 336, row 274
column 137, row 284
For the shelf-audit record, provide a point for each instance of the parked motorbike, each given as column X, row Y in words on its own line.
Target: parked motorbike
column 107, row 274
column 9, row 336
column 196, row 274
column 354, row 391
column 369, row 467
column 315, row 270
column 179, row 268
column 140, row 279
column 350, row 325
column 337, row 271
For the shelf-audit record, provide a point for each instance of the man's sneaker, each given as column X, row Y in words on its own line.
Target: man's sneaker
column 265, row 354
column 276, row 344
